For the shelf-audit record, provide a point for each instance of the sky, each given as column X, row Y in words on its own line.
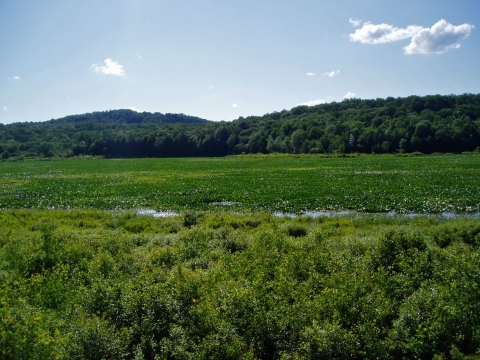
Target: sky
column 222, row 59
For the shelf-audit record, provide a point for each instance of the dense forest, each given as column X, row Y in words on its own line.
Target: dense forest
column 425, row 124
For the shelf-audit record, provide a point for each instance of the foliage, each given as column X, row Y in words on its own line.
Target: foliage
column 413, row 124
column 361, row 287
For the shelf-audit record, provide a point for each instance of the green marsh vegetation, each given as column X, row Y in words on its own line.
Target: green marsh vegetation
column 91, row 284
column 285, row 183
column 84, row 276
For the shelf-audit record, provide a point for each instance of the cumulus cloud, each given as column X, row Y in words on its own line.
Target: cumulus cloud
column 134, row 109
column 313, row 102
column 439, row 38
column 435, row 40
column 14, row 78
column 383, row 33
column 355, row 23
column 310, row 74
column 4, row 108
column 235, row 105
column 349, row 95
column 110, row 68
column 332, row 73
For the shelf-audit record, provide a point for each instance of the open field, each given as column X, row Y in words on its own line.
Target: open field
column 293, row 184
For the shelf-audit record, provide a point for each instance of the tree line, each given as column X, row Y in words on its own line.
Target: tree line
column 426, row 124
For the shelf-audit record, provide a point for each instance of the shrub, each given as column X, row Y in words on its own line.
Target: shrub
column 468, row 232
column 234, row 243
column 190, row 219
column 296, row 231
column 397, row 243
column 95, row 338
column 253, row 223
column 50, row 245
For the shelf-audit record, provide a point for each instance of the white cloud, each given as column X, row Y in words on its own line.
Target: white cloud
column 5, row 109
column 111, row 68
column 383, row 33
column 235, row 105
column 355, row 23
column 310, row 74
column 349, row 95
column 439, row 38
column 435, row 40
column 313, row 102
column 135, row 109
column 332, row 73
column 139, row 57
column 14, row 78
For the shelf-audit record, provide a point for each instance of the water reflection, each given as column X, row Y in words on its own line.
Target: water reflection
column 346, row 213
column 156, row 214
column 330, row 213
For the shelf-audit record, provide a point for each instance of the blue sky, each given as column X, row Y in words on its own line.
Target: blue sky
column 223, row 59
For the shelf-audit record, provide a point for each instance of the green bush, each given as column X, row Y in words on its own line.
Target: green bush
column 466, row 231
column 286, row 289
column 94, row 339
column 190, row 219
column 296, row 231
column 253, row 223
column 397, row 244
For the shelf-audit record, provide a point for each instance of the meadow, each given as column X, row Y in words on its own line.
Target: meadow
column 289, row 184
column 83, row 275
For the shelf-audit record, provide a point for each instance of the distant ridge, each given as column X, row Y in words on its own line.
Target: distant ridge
column 127, row 116
column 415, row 124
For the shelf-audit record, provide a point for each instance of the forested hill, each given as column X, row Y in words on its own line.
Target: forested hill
column 425, row 124
column 128, row 117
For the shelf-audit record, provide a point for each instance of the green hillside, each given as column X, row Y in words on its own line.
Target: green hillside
column 393, row 125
